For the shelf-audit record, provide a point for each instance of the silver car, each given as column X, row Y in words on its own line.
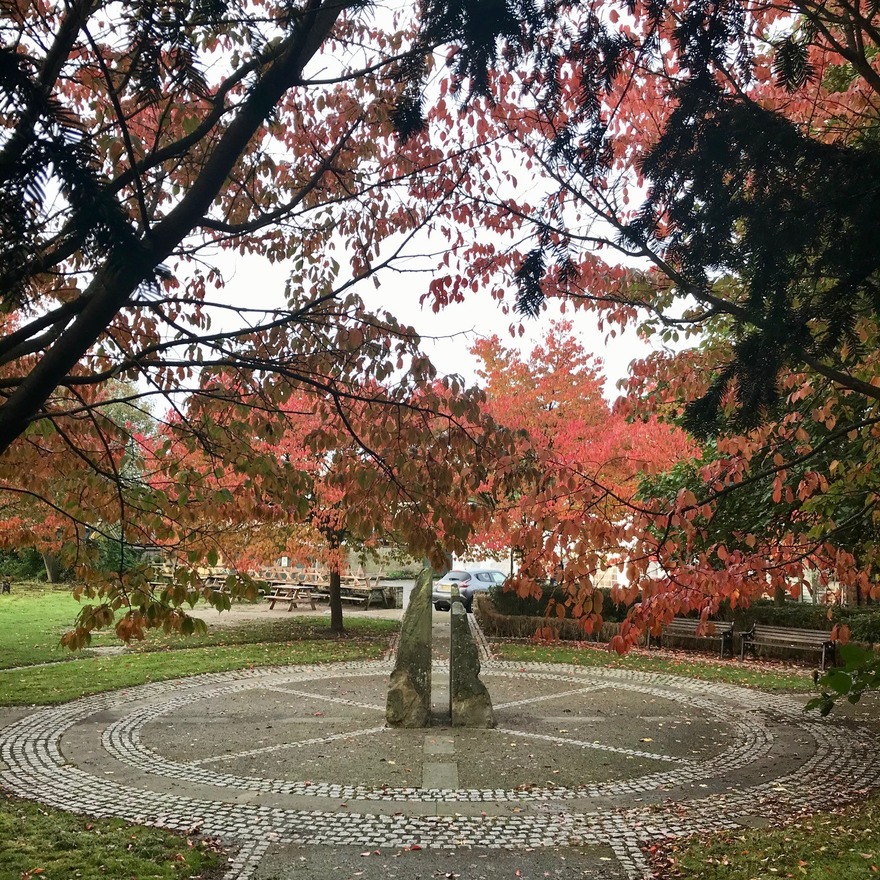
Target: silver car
column 468, row 582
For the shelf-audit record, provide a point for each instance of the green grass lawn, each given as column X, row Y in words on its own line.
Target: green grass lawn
column 286, row 629
column 39, row 842
column 841, row 845
column 733, row 672
column 61, row 682
column 33, row 619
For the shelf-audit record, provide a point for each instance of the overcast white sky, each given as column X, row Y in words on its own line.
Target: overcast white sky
column 447, row 336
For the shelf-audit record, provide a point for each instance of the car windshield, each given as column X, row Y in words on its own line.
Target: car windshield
column 455, row 576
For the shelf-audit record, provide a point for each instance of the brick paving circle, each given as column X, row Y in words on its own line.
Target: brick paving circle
column 637, row 756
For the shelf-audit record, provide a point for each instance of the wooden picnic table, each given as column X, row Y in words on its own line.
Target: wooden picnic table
column 362, row 589
column 282, row 591
column 356, row 588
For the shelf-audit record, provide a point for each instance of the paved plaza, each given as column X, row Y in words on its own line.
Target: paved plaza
column 294, row 769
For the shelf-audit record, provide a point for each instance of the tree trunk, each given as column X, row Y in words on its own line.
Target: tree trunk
column 336, row 625
column 779, row 596
column 128, row 265
column 53, row 567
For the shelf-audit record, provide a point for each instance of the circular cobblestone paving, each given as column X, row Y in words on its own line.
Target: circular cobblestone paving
column 594, row 763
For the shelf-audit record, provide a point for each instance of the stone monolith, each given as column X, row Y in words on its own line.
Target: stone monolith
column 469, row 702
column 409, row 692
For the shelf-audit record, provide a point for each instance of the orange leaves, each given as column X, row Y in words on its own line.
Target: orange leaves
column 342, row 458
column 131, row 627
column 619, row 645
column 778, row 486
column 840, row 632
column 686, row 498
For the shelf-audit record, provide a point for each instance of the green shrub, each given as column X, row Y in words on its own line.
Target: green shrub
column 22, row 565
column 864, row 625
column 116, row 556
column 401, row 574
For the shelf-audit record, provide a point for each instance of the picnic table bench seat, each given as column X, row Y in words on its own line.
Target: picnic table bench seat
column 357, row 595
column 687, row 628
column 762, row 635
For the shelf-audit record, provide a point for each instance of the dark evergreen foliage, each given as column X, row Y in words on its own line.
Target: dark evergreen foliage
column 481, row 32
column 791, row 63
column 795, row 219
column 481, row 29
column 530, row 294
column 734, row 190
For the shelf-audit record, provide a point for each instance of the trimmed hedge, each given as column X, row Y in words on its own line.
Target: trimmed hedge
column 526, row 626
column 510, row 603
column 513, row 616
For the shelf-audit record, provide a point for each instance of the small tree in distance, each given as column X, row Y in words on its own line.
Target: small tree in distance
column 571, row 509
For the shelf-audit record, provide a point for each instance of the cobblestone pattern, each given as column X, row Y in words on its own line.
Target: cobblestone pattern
column 843, row 763
column 122, row 740
column 248, row 859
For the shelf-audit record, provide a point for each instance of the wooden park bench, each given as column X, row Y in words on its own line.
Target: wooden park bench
column 687, row 628
column 761, row 635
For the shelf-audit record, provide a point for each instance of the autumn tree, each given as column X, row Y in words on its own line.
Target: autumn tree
column 142, row 140
column 138, row 137
column 46, row 503
column 702, row 177
column 793, row 499
column 249, row 464
column 578, row 464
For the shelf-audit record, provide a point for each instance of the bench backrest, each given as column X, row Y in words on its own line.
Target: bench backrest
column 687, row 624
column 791, row 632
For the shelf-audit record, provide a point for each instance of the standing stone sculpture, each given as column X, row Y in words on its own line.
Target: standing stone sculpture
column 409, row 692
column 469, row 702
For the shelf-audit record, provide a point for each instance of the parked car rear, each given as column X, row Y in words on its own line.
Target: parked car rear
column 441, row 595
column 480, row 582
column 469, row 583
